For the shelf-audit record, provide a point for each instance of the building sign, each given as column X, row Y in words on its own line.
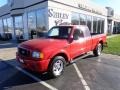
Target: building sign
column 89, row 9
column 58, row 17
column 56, row 14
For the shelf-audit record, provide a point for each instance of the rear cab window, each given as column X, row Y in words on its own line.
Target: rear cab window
column 78, row 33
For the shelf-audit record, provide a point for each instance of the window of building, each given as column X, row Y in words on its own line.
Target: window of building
column 19, row 27
column 41, row 22
column 9, row 22
column 82, row 19
column 102, row 25
column 7, row 30
column 5, row 26
column 32, row 25
column 95, row 25
column 116, row 28
column 10, row 27
column 0, row 24
column 75, row 19
column 89, row 22
column 0, row 29
column 99, row 25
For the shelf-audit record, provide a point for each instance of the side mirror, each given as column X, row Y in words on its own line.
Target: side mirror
column 71, row 39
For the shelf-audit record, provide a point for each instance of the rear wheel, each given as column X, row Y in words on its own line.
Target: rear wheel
column 57, row 66
column 97, row 51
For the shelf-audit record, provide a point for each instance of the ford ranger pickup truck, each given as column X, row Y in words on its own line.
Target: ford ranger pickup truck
column 61, row 45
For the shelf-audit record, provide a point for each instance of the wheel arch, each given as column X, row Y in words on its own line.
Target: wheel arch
column 61, row 54
column 101, row 42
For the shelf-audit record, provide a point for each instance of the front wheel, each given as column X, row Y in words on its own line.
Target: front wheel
column 97, row 51
column 57, row 66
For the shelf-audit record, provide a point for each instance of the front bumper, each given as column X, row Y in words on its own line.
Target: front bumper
column 33, row 65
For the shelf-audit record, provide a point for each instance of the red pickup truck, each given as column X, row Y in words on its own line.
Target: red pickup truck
column 60, row 46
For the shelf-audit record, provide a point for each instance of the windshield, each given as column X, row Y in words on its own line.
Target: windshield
column 59, row 32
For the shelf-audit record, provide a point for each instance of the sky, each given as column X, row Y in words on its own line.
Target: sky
column 115, row 4
column 3, row 2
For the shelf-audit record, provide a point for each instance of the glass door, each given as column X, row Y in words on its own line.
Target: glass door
column 19, row 27
column 32, row 25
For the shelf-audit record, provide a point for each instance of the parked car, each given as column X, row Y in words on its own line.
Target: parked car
column 61, row 45
column 6, row 36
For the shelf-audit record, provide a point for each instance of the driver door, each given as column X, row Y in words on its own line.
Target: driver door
column 77, row 47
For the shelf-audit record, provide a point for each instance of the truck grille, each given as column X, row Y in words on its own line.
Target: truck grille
column 24, row 52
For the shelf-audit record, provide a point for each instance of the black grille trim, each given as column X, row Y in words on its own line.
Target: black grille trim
column 24, row 52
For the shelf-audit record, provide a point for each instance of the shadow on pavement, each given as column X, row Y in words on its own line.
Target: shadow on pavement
column 89, row 56
column 10, row 76
column 41, row 76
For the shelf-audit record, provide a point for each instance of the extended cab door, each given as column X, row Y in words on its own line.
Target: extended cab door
column 88, row 39
column 77, row 46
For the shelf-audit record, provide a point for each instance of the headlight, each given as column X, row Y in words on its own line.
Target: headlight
column 36, row 54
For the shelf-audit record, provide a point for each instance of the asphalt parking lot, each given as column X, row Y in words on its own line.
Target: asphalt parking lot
column 89, row 73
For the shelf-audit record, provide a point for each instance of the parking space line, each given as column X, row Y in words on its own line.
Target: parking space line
column 34, row 77
column 81, row 77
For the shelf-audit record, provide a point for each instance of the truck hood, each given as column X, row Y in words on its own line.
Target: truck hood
column 40, row 44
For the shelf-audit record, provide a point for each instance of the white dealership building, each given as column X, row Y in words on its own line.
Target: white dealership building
column 27, row 19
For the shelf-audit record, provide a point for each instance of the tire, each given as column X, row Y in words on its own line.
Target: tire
column 56, row 67
column 97, row 51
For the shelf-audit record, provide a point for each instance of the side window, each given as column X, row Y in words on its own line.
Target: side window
column 77, row 34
